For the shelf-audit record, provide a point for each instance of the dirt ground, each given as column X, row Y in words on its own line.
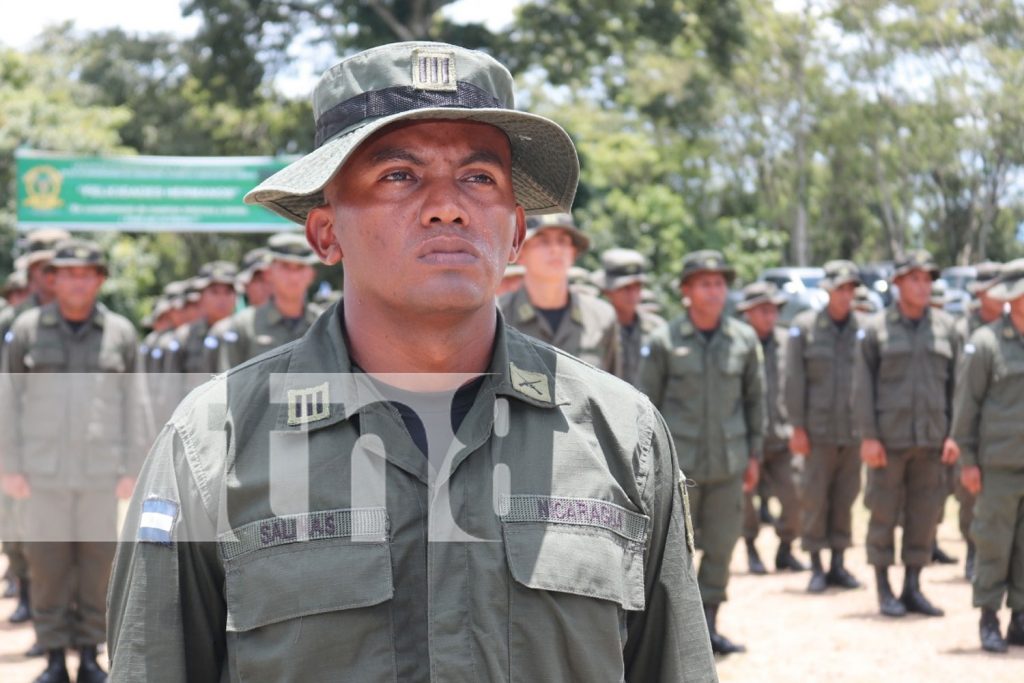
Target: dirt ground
column 791, row 636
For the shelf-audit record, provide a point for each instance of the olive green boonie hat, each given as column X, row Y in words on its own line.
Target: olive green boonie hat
column 840, row 272
column 416, row 81
column 706, row 261
column 215, row 273
column 557, row 221
column 757, row 293
column 986, row 275
column 1011, row 282
column 70, row 253
column 916, row 260
column 619, row 268
column 290, row 247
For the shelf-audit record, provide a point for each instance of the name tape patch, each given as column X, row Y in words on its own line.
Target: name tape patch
column 369, row 523
column 156, row 525
column 577, row 511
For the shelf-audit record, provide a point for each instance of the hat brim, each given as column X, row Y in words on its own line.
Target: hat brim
column 310, row 260
column 830, row 284
column 727, row 271
column 73, row 262
column 979, row 286
column 545, row 169
column 205, row 282
column 900, row 272
column 1006, row 291
column 610, row 285
column 777, row 300
column 579, row 240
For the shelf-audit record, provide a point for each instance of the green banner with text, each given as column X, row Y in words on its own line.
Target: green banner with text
column 143, row 193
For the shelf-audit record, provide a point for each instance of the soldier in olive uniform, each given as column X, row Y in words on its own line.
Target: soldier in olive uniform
column 547, row 308
column 819, row 366
column 704, row 372
column 983, row 311
column 366, row 569
column 74, row 449
column 621, row 278
column 284, row 318
column 15, row 288
column 988, row 425
column 778, row 477
column 904, row 370
column 189, row 350
column 252, row 277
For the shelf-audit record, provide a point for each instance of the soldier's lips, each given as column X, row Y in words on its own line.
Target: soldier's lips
column 448, row 251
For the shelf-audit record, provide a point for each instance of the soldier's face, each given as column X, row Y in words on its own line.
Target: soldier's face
column 77, row 286
column 548, row 255
column 41, row 280
column 424, row 217
column 763, row 318
column 290, row 280
column 707, row 293
column 915, row 288
column 258, row 290
column 840, row 300
column 217, row 302
column 626, row 299
column 1017, row 307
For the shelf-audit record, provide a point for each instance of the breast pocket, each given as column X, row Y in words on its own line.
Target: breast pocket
column 894, row 360
column 573, row 584
column 315, row 610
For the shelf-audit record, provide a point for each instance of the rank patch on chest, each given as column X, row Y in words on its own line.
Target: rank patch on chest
column 309, row 405
column 156, row 524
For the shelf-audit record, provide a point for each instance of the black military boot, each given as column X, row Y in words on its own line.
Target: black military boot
column 988, row 629
column 89, row 670
column 818, row 582
column 939, row 556
column 837, row 574
column 720, row 645
column 1015, row 632
column 785, row 559
column 887, row 602
column 23, row 612
column 56, row 669
column 969, row 562
column 913, row 599
column 753, row 559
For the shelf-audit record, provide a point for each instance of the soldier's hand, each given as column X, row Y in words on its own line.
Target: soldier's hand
column 750, row 476
column 950, row 452
column 872, row 452
column 125, row 488
column 16, row 486
column 970, row 477
column 799, row 443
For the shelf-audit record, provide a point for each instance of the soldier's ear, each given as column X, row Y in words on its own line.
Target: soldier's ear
column 320, row 235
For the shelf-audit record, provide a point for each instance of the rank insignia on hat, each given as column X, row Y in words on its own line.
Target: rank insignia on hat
column 710, row 263
column 433, row 70
column 531, row 384
column 82, row 253
column 156, row 525
column 309, row 405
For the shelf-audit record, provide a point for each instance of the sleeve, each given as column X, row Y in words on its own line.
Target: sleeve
column 653, row 372
column 865, row 367
column 754, row 399
column 794, row 380
column 957, row 342
column 612, row 361
column 971, row 386
column 166, row 611
column 12, row 383
column 669, row 640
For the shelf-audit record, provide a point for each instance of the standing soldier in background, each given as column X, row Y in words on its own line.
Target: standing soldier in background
column 904, row 371
column 986, row 309
column 703, row 371
column 546, row 308
column 284, row 318
column 760, row 308
column 622, row 279
column 252, row 277
column 15, row 288
column 73, row 450
column 158, row 322
column 988, row 425
column 819, row 364
column 190, row 353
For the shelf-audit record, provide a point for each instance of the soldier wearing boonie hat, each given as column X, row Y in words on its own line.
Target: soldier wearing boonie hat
column 79, row 444
column 285, row 318
column 704, row 371
column 760, row 309
column 904, row 370
column 621, row 279
column 819, row 363
column 15, row 289
column 988, row 425
column 549, row 308
column 252, row 276
column 187, row 351
column 419, row 185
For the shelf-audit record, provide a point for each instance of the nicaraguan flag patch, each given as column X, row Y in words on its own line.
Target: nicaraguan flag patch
column 157, row 522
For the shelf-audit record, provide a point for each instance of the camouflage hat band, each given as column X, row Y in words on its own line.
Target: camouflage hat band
column 396, row 100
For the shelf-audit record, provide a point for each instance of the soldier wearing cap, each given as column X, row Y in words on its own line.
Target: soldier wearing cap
column 420, row 182
column 704, row 372
column 984, row 310
column 253, row 276
column 285, row 318
column 760, row 308
column 621, row 278
column 189, row 348
column 74, row 448
column 819, row 364
column 15, row 288
column 547, row 308
column 904, row 370
column 988, row 425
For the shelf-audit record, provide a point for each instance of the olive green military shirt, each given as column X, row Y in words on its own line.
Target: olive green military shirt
column 711, row 392
column 819, row 376
column 631, row 340
column 79, row 430
column 903, row 378
column 255, row 330
column 589, row 329
column 988, row 415
column 187, row 350
column 570, row 560
column 9, row 313
column 777, row 430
